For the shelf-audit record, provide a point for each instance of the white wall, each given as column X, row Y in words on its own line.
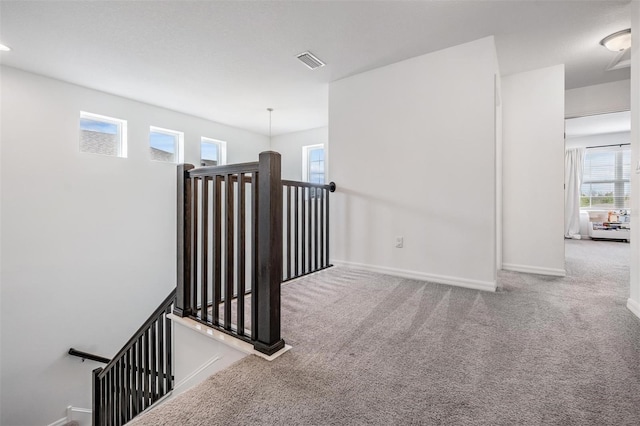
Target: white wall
column 634, row 298
column 290, row 147
column 598, row 140
column 88, row 241
column 598, row 99
column 533, row 209
column 412, row 150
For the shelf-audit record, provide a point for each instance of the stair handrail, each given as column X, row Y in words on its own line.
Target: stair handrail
column 161, row 308
column 115, row 402
column 87, row 355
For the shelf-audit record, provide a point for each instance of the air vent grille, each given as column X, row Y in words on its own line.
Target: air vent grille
column 310, row 60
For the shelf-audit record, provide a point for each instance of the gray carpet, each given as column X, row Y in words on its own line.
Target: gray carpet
column 375, row 349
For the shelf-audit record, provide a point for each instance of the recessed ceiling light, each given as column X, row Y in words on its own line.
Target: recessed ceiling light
column 617, row 42
column 4, row 48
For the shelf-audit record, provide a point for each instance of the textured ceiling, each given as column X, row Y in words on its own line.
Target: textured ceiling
column 229, row 61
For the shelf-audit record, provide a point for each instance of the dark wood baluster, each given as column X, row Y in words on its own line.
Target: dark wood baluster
column 204, row 251
column 287, row 210
column 241, row 255
column 309, row 231
column 127, row 388
column 196, row 246
column 322, row 197
column 229, row 232
column 147, row 362
column 168, row 359
column 296, row 246
column 304, row 230
column 96, row 397
column 326, row 241
column 217, row 242
column 118, row 390
column 161, row 372
column 254, row 254
column 108, row 417
column 140, row 373
column 316, row 228
column 135, row 406
column 153, row 367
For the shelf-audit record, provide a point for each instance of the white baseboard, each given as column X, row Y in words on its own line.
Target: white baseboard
column 534, row 270
column 81, row 415
column 634, row 307
column 59, row 422
column 422, row 276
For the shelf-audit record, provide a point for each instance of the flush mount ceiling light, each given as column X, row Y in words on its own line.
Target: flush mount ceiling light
column 617, row 42
column 310, row 60
column 4, row 48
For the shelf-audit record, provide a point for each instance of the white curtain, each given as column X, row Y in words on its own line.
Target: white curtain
column 573, row 164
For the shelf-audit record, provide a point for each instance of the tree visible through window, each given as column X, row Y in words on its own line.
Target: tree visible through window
column 606, row 177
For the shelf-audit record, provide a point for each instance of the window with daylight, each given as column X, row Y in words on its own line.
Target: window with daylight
column 313, row 163
column 212, row 152
column 605, row 179
column 103, row 135
column 165, row 145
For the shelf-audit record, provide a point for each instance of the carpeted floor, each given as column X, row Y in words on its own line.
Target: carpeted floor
column 375, row 349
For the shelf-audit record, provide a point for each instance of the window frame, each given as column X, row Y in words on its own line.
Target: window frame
column 222, row 149
column 618, row 183
column 179, row 145
column 306, row 150
column 121, row 145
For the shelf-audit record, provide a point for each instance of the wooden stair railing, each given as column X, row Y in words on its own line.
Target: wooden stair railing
column 232, row 248
column 139, row 375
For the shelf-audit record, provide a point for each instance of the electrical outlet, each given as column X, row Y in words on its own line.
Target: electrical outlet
column 399, row 242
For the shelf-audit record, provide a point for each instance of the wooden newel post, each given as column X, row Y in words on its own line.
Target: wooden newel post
column 97, row 398
column 269, row 260
column 182, row 306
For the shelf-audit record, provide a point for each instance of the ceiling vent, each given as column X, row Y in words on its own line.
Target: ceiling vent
column 310, row 61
